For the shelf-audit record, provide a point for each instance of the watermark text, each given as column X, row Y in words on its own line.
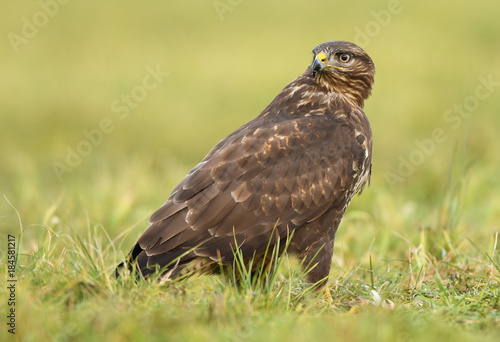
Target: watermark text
column 11, row 283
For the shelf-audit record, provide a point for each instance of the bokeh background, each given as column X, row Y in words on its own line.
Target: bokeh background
column 64, row 65
column 106, row 105
column 68, row 68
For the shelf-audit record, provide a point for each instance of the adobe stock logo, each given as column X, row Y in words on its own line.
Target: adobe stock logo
column 95, row 136
column 223, row 6
column 381, row 19
column 32, row 25
column 454, row 117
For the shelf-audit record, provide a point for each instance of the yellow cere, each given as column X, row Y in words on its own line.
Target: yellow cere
column 322, row 57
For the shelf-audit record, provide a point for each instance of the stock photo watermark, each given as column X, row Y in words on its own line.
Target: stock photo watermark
column 31, row 25
column 223, row 6
column 454, row 117
column 11, row 284
column 121, row 106
column 381, row 19
column 72, row 330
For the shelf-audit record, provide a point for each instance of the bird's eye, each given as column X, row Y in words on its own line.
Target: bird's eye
column 345, row 57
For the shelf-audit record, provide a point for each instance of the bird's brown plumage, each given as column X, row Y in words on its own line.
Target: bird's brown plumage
column 295, row 167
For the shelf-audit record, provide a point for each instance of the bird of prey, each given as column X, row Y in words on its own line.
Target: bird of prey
column 294, row 168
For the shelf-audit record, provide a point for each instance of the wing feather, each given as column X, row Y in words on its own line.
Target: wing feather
column 276, row 177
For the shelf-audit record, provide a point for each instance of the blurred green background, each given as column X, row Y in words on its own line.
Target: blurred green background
column 63, row 66
column 91, row 144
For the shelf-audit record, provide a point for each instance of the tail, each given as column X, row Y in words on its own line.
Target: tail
column 169, row 264
column 131, row 262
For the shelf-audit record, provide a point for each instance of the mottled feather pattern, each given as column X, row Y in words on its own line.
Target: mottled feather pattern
column 295, row 167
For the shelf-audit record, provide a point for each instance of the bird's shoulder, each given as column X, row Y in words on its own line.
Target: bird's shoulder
column 269, row 161
column 290, row 164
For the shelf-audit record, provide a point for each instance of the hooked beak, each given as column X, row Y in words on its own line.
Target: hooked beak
column 319, row 62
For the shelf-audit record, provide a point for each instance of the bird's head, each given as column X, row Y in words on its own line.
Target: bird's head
column 343, row 68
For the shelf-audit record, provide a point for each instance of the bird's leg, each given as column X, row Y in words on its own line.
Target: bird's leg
column 327, row 295
column 317, row 262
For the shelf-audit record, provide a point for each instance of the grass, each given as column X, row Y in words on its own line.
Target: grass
column 67, row 292
column 415, row 260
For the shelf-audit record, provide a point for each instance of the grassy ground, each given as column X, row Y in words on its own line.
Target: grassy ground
column 81, row 168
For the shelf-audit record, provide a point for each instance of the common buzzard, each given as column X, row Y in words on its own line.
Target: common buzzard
column 294, row 168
